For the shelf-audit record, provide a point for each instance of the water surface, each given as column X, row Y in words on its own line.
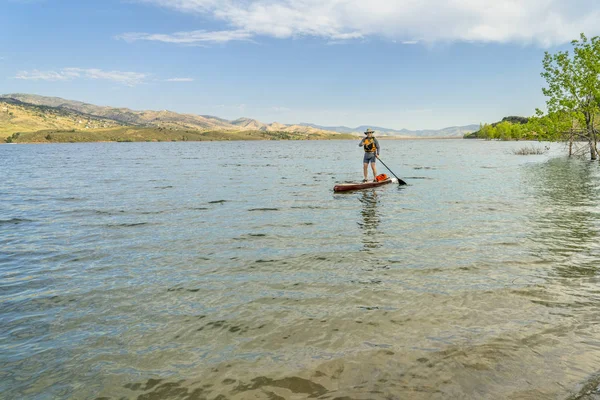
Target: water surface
column 232, row 271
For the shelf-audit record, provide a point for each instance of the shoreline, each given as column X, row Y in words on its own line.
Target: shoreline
column 225, row 140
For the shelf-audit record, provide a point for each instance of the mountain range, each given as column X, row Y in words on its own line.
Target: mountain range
column 452, row 131
column 42, row 112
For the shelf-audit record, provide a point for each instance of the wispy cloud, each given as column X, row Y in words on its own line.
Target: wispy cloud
column 67, row 74
column 278, row 109
column 179, row 80
column 193, row 37
column 36, row 75
column 544, row 22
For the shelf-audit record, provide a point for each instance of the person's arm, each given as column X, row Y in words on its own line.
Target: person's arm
column 362, row 142
column 377, row 146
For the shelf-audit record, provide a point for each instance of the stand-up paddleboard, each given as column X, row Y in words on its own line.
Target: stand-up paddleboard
column 344, row 187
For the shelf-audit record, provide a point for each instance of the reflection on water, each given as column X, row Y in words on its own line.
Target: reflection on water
column 565, row 235
column 370, row 219
column 567, row 215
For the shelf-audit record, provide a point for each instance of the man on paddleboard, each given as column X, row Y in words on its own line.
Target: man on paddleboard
column 371, row 146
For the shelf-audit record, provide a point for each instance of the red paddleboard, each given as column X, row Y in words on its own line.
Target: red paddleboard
column 344, row 187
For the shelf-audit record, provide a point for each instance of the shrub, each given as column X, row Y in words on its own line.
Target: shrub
column 529, row 150
column 13, row 137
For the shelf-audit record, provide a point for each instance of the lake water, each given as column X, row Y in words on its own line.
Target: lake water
column 232, row 271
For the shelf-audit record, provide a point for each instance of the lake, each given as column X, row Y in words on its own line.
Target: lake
column 230, row 270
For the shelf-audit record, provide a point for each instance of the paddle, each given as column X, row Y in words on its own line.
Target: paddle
column 400, row 181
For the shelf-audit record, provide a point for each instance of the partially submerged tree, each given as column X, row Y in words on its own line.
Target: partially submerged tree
column 554, row 127
column 574, row 88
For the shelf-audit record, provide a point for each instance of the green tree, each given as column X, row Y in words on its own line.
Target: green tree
column 574, row 85
column 503, row 130
column 487, row 132
column 554, row 127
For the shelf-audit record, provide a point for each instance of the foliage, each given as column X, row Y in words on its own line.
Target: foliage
column 515, row 119
column 573, row 101
column 574, row 88
column 505, row 130
column 12, row 138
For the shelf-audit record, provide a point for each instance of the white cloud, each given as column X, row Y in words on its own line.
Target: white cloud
column 179, row 80
column 544, row 22
column 193, row 37
column 66, row 74
column 280, row 109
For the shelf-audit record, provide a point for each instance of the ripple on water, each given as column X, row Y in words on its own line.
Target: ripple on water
column 466, row 284
column 14, row 221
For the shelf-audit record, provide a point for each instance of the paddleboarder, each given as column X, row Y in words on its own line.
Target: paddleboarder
column 371, row 146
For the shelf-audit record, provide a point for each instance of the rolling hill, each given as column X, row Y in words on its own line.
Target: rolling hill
column 159, row 119
column 26, row 113
column 16, row 116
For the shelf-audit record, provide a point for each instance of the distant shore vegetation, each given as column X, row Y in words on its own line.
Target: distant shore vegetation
column 135, row 134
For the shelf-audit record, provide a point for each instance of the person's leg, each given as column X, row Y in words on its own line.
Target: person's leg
column 374, row 168
column 365, row 170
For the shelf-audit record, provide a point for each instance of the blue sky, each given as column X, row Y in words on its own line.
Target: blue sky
column 398, row 64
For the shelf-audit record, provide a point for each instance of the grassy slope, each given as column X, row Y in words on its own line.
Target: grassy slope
column 19, row 117
column 34, row 123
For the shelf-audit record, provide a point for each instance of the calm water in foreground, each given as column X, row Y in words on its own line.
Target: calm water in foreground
column 232, row 271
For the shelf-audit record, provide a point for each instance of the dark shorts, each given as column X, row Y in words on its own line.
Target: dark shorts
column 369, row 158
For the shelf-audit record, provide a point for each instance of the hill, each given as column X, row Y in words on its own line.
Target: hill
column 16, row 116
column 27, row 113
column 125, row 116
column 56, row 119
column 148, row 118
column 37, row 119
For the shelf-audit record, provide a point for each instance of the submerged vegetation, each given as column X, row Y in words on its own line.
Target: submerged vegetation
column 529, row 150
column 573, row 102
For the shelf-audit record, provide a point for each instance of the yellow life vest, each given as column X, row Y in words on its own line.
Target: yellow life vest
column 369, row 145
